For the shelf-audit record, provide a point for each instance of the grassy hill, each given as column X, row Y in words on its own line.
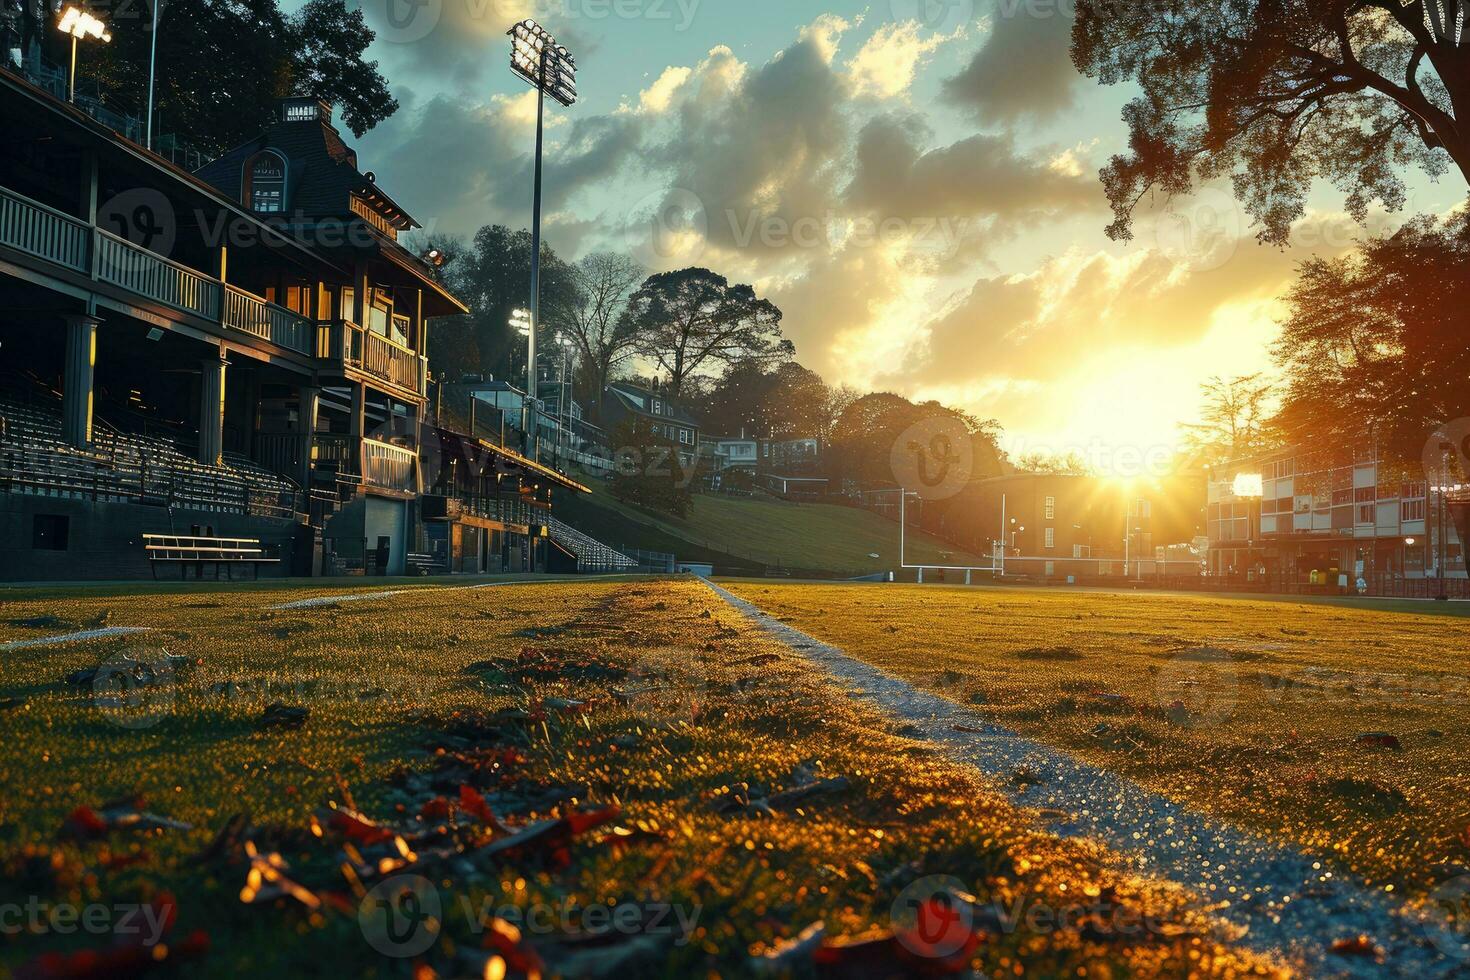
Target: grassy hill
column 733, row 531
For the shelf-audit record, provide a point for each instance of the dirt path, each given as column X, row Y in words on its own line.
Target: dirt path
column 1286, row 903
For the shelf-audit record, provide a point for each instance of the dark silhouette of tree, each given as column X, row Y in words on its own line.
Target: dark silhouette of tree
column 1234, row 416
column 693, row 321
column 1276, row 93
column 224, row 64
column 1378, row 341
column 597, row 321
column 646, row 469
column 492, row 276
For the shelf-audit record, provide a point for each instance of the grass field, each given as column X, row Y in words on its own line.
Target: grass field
column 792, row 535
column 582, row 749
column 1342, row 728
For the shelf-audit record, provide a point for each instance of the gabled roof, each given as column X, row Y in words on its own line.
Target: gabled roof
column 322, row 172
column 639, row 400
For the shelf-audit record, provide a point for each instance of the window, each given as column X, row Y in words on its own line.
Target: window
column 1051, row 569
column 265, row 180
column 349, row 304
column 1411, row 510
column 400, row 329
column 1051, row 508
column 49, row 532
column 686, row 436
column 1365, row 513
column 1051, row 537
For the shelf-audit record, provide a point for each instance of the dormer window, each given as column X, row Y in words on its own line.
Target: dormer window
column 265, row 182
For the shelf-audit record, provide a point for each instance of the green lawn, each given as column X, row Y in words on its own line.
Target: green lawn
column 775, row 532
column 681, row 760
column 1339, row 724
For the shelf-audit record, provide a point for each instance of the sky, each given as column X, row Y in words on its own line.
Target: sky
column 913, row 182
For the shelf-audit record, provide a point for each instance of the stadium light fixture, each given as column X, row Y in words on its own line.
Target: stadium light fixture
column 551, row 70
column 79, row 24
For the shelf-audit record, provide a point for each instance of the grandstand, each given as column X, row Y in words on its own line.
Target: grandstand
column 235, row 353
column 133, row 468
column 591, row 555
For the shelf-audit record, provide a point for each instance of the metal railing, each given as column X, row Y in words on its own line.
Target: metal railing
column 248, row 312
column 44, row 232
column 389, row 467
column 32, row 227
column 146, row 273
column 371, row 353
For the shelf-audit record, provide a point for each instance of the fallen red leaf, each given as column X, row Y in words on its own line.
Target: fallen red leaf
column 471, row 801
column 356, row 827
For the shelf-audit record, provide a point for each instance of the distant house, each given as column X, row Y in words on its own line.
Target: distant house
column 670, row 419
column 790, row 455
column 727, row 452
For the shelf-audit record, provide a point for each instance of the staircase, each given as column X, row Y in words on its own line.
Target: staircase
column 592, row 555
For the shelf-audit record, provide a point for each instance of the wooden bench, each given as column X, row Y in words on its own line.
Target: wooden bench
column 196, row 551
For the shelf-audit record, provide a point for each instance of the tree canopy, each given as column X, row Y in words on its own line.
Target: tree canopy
column 596, row 317
column 1275, row 93
column 693, row 321
column 201, row 91
column 1234, row 419
column 1378, row 341
column 492, row 275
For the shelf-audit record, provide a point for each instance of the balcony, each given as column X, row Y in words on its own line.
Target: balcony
column 389, row 467
column 372, row 354
column 35, row 229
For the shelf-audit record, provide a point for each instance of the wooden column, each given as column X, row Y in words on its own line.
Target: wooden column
column 310, row 398
column 76, row 385
column 212, row 409
column 357, row 416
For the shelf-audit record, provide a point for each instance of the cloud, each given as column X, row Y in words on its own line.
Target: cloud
column 660, row 95
column 1024, row 68
column 886, row 64
column 985, row 174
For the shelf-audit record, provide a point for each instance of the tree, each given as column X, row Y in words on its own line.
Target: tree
column 202, row 91
column 1052, row 464
column 647, row 472
column 596, row 317
column 1233, row 419
column 492, row 276
column 693, row 320
column 1276, row 93
column 327, row 63
column 1375, row 341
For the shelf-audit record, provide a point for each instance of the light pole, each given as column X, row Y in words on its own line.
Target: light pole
column 564, row 392
column 152, row 61
column 550, row 69
column 521, row 321
column 79, row 24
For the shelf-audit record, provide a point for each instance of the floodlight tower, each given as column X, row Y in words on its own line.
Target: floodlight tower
column 550, row 69
column 79, row 24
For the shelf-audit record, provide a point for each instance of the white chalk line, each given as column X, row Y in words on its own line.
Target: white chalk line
column 1296, row 911
column 95, row 634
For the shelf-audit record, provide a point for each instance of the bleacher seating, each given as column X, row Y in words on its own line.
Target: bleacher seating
column 125, row 466
column 592, row 555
